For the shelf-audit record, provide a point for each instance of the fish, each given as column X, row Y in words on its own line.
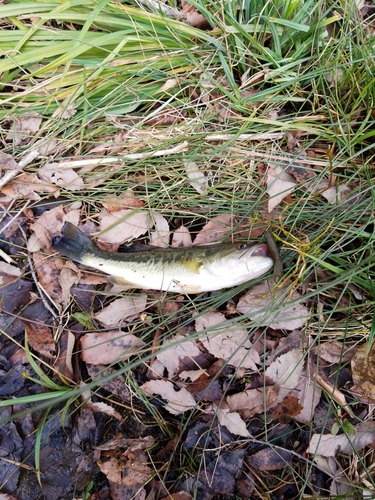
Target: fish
column 188, row 270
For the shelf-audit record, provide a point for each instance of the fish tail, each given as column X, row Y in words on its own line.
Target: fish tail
column 73, row 243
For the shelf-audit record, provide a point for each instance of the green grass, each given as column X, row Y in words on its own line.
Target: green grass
column 118, row 65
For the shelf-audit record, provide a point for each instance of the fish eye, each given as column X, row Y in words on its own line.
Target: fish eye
column 242, row 246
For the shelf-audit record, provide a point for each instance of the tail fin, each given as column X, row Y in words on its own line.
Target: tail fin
column 73, row 243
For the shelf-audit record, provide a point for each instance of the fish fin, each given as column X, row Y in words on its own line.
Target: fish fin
column 73, row 243
column 137, row 248
column 117, row 280
column 192, row 265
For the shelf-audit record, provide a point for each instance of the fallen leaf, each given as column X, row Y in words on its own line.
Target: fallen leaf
column 191, row 16
column 7, row 162
column 127, row 225
column 115, row 386
column 181, row 237
column 286, row 372
column 226, row 341
column 196, row 176
column 48, row 275
column 363, row 371
column 160, row 237
column 69, row 275
column 63, row 364
column 328, row 445
column 121, row 310
column 126, row 200
column 125, row 462
column 51, row 221
column 26, row 186
column 66, row 178
column 215, row 230
column 260, row 302
column 233, row 422
column 64, row 112
column 279, row 185
column 178, row 357
column 24, row 127
column 109, row 347
column 252, row 401
column 270, row 459
column 177, row 401
column 40, row 338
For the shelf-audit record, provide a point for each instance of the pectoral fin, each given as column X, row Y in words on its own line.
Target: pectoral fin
column 192, row 265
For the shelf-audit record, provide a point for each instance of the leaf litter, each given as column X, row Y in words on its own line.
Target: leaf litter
column 213, row 366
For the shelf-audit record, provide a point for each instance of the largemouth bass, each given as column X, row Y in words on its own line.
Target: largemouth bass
column 182, row 270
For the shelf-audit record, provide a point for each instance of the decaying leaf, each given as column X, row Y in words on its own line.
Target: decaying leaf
column 124, row 461
column 109, row 347
column 126, row 200
column 280, row 185
column 177, row 401
column 179, row 357
column 329, row 445
column 215, row 230
column 24, row 127
column 41, row 339
column 160, row 237
column 121, row 310
column 270, row 459
column 232, row 421
column 181, row 237
column 286, row 371
column 226, row 341
column 260, row 302
column 252, row 401
column 122, row 226
column 66, row 178
column 363, row 371
column 197, row 178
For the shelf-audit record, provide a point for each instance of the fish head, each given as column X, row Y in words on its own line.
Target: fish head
column 240, row 264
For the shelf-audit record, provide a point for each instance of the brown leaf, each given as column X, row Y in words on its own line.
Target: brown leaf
column 48, row 274
column 126, row 464
column 178, row 357
column 215, row 230
column 253, row 401
column 263, row 298
column 226, row 341
column 61, row 177
column 334, row 352
column 109, row 347
column 329, row 445
column 126, row 200
column 279, row 185
column 41, row 339
column 122, row 310
column 51, row 222
column 115, row 386
column 177, row 401
column 363, row 371
column 26, row 186
column 194, row 18
column 288, row 407
column 63, row 363
column 7, row 162
column 181, row 237
column 270, row 459
column 127, row 225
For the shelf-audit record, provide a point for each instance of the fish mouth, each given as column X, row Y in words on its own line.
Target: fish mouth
column 260, row 251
